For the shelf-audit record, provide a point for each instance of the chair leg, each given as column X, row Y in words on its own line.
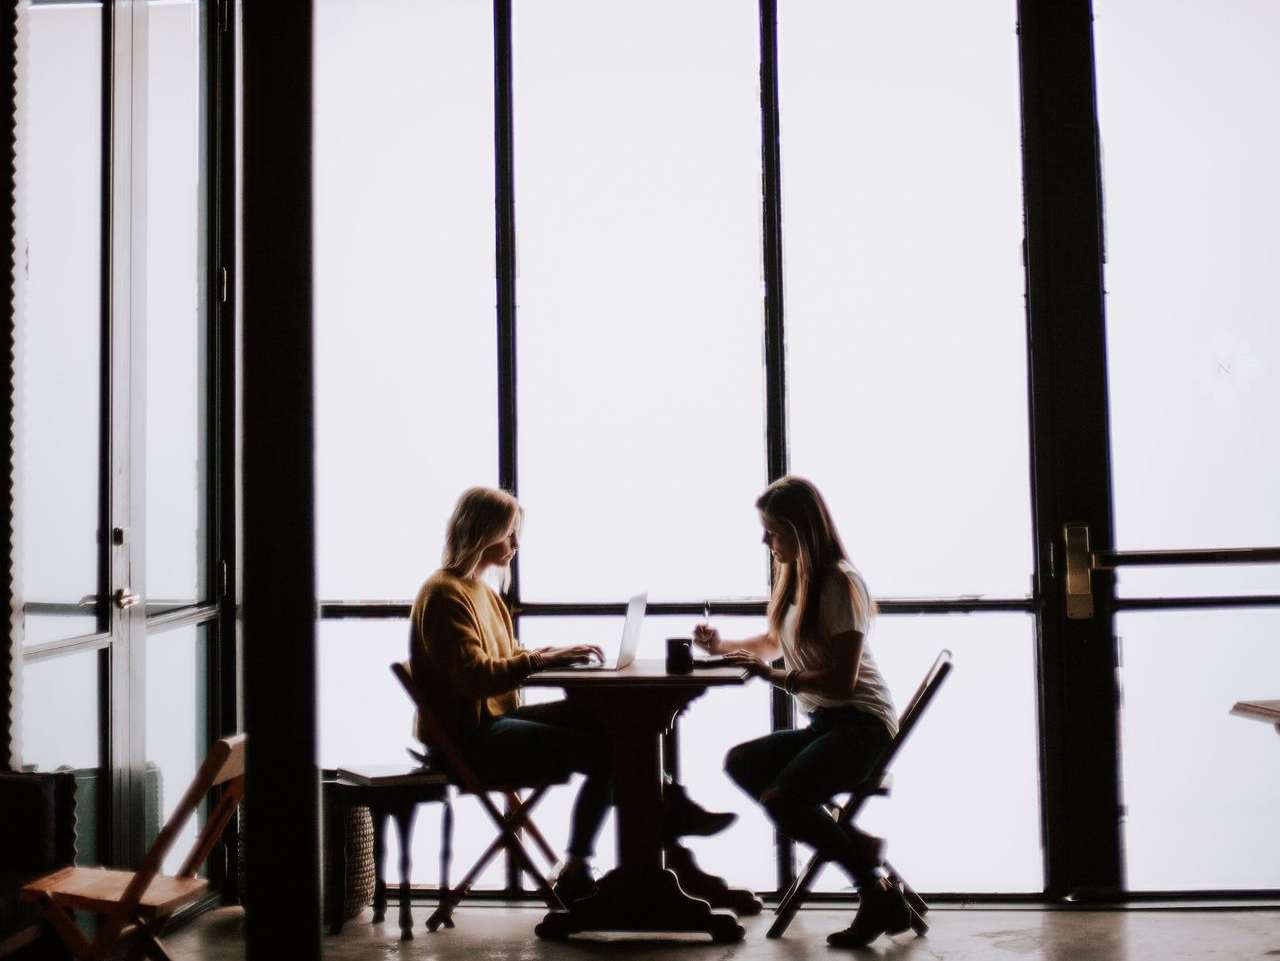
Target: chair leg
column 791, row 901
column 446, row 852
column 450, row 898
column 916, row 903
column 146, row 941
column 532, row 829
column 60, row 920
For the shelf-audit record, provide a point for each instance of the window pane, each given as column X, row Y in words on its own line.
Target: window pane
column 1192, row 200
column 905, row 320
column 1201, row 786
column 406, row 400
column 366, row 718
column 177, row 731
column 62, row 728
column 637, row 151
column 177, row 361
column 58, row 318
column 971, row 762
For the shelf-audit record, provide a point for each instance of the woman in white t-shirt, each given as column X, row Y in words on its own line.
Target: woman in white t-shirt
column 819, row 617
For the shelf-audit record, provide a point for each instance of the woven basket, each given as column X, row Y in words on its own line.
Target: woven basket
column 357, row 832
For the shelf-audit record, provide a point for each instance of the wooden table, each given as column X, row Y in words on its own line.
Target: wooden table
column 1268, row 711
column 637, row 706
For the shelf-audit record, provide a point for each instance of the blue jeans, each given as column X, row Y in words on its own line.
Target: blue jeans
column 549, row 740
column 792, row 774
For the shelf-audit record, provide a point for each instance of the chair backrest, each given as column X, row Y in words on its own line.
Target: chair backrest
column 224, row 764
column 439, row 740
column 924, row 694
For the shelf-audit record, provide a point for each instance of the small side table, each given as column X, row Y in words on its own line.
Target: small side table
column 395, row 793
column 1268, row 711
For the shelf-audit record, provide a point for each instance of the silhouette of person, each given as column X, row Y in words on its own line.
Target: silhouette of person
column 820, row 613
column 464, row 656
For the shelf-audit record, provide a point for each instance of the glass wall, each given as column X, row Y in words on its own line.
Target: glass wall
column 1201, row 785
column 406, row 382
column 905, row 322
column 639, row 436
column 58, row 331
column 177, row 335
column 177, row 734
column 1187, row 108
column 61, row 727
column 640, row 310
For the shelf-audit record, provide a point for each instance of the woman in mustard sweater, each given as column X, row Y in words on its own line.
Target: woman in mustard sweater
column 464, row 656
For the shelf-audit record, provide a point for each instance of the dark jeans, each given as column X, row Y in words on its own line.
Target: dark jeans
column 552, row 739
column 794, row 773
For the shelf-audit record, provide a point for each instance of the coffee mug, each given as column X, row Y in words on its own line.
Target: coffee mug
column 679, row 655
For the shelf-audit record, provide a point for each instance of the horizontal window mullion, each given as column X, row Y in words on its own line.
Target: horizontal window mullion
column 181, row 617
column 333, row 610
column 1196, row 603
column 69, row 645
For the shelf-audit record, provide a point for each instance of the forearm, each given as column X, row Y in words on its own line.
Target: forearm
column 827, row 683
column 489, row 676
column 761, row 645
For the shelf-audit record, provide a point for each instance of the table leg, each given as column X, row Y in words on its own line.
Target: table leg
column 403, row 815
column 640, row 894
column 711, row 888
column 379, row 816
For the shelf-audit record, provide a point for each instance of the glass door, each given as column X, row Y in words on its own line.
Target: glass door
column 114, row 412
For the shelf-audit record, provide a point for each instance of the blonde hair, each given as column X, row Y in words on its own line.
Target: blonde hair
column 794, row 503
column 482, row 517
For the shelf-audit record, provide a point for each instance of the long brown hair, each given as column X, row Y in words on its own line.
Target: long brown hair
column 796, row 505
column 482, row 516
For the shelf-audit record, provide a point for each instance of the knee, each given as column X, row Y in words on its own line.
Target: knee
column 738, row 766
column 776, row 803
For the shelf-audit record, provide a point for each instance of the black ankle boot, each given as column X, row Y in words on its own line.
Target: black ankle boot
column 684, row 817
column 882, row 909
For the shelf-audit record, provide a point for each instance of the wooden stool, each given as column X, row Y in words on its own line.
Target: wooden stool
column 388, row 793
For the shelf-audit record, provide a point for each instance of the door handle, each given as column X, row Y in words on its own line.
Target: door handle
column 1082, row 562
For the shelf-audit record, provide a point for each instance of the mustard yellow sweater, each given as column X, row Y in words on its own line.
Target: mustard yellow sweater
column 463, row 653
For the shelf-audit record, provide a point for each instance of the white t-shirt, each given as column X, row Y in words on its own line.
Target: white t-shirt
column 836, row 615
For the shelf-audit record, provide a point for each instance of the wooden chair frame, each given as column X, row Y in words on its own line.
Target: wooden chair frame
column 462, row 775
column 139, row 903
column 876, row 783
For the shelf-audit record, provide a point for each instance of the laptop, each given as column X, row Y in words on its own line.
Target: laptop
column 625, row 652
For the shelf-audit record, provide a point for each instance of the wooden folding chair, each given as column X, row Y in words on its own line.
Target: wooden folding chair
column 444, row 747
column 877, row 783
column 139, row 903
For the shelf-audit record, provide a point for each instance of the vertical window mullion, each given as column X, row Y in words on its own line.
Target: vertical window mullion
column 783, row 709
column 505, row 271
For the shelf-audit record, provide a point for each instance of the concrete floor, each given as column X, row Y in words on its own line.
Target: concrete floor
column 496, row 932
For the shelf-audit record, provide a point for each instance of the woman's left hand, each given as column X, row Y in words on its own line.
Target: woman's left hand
column 753, row 665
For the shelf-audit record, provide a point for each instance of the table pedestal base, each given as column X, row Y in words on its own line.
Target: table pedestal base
column 649, row 901
column 709, row 887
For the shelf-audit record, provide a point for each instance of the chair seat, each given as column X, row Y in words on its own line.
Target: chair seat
column 877, row 787
column 522, row 784
column 99, row 890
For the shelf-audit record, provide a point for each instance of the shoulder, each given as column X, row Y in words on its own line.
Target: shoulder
column 839, row 608
column 443, row 587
